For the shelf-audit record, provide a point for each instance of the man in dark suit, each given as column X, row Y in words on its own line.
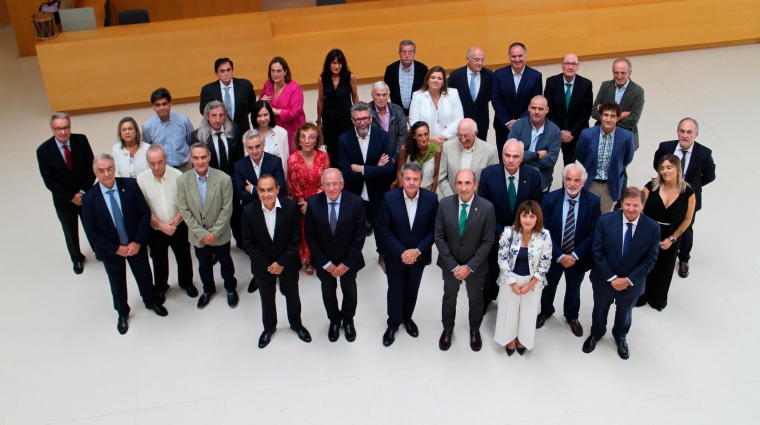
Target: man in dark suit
column 625, row 248
column 570, row 98
column 335, row 232
column 257, row 163
column 236, row 94
column 506, row 187
column 407, row 224
column 570, row 216
column 65, row 162
column 271, row 234
column 464, row 236
column 116, row 217
column 405, row 76
column 699, row 170
column 474, row 85
column 365, row 161
column 511, row 91
column 384, row 111
column 623, row 91
column 607, row 170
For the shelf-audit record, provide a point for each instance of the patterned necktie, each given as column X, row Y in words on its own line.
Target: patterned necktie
column 67, row 154
column 462, row 219
column 118, row 219
column 473, row 89
column 512, row 192
column 628, row 238
column 222, row 152
column 568, row 238
column 683, row 161
column 228, row 103
column 333, row 217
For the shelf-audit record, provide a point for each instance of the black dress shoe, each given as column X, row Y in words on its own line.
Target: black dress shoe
column 160, row 297
column 158, row 309
column 79, row 267
column 576, row 327
column 334, row 333
column 590, row 344
column 411, row 328
column 369, row 229
column 205, row 299
column 510, row 351
column 623, row 351
column 444, row 343
column 122, row 325
column 349, row 331
column 683, row 269
column 541, row 320
column 266, row 338
column 232, row 299
column 192, row 291
column 475, row 342
column 253, row 286
column 303, row 335
column 520, row 350
column 388, row 337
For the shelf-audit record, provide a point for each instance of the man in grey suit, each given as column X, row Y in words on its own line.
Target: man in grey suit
column 204, row 197
column 464, row 236
column 541, row 138
column 626, row 93
column 468, row 152
column 388, row 117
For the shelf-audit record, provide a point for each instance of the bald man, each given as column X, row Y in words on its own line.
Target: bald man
column 473, row 82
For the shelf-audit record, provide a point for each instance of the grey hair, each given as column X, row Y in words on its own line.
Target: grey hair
column 407, row 43
column 205, row 130
column 519, row 143
column 468, row 121
column 324, row 173
column 202, row 145
column 59, row 115
column 359, row 107
column 100, row 157
column 696, row 124
column 575, row 165
column 412, row 166
column 252, row 134
column 380, row 85
column 626, row 60
column 154, row 148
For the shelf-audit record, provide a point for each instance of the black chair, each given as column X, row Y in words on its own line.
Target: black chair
column 330, row 2
column 134, row 16
column 107, row 19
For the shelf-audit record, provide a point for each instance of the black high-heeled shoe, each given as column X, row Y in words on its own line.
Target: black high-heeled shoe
column 510, row 351
column 520, row 351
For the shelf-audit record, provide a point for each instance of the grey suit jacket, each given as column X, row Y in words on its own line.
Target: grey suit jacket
column 483, row 155
column 632, row 101
column 473, row 246
column 212, row 218
column 397, row 128
column 550, row 141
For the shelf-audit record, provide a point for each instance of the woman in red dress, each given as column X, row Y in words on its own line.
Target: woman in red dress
column 305, row 167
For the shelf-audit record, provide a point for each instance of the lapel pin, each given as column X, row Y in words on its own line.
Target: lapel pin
column 122, row 190
column 525, row 181
column 476, row 209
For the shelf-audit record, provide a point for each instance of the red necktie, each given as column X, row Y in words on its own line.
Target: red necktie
column 67, row 154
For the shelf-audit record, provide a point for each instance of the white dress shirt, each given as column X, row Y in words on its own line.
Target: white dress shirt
column 467, row 158
column 160, row 195
column 232, row 96
column 517, row 78
column 516, row 175
column 257, row 168
column 477, row 81
column 411, row 206
column 679, row 154
column 364, row 146
column 221, row 139
column 271, row 217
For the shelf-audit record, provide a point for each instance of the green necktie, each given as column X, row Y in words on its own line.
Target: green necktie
column 568, row 95
column 462, row 219
column 512, row 193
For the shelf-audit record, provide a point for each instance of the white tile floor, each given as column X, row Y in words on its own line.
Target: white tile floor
column 62, row 361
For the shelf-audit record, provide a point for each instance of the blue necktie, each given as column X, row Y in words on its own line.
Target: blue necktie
column 333, row 217
column 118, row 220
column 228, row 103
column 628, row 238
column 473, row 90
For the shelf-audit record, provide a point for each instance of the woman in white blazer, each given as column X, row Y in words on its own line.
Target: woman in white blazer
column 130, row 154
column 525, row 254
column 438, row 105
column 275, row 137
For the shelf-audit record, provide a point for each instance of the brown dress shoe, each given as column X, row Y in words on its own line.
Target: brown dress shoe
column 445, row 342
column 475, row 342
column 576, row 327
column 541, row 320
column 683, row 269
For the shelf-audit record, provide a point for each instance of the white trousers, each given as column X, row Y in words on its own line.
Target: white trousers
column 516, row 316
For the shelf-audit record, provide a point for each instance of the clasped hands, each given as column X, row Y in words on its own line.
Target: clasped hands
column 410, row 256
column 337, row 271
column 521, row 290
column 128, row 250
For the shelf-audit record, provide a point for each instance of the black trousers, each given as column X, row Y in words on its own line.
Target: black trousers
column 490, row 288
column 604, row 296
column 332, row 127
column 573, row 279
column 235, row 220
column 116, row 269
column 474, row 285
column 159, row 253
column 403, row 287
column 206, row 267
column 687, row 241
column 268, row 290
column 345, row 314
column 374, row 218
column 568, row 152
column 69, row 215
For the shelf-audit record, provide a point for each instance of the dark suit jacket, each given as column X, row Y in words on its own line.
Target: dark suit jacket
column 550, row 141
column 391, row 79
column 395, row 230
column 345, row 246
column 588, row 213
column 587, row 153
column 61, row 182
column 270, row 164
column 98, row 223
column 574, row 118
column 378, row 179
column 476, row 109
column 473, row 246
column 632, row 101
column 507, row 104
column 397, row 128
column 607, row 250
column 234, row 144
column 701, row 171
column 493, row 187
column 287, row 236
column 245, row 97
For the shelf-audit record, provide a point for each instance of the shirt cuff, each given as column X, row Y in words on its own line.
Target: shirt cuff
column 329, row 263
column 82, row 192
column 418, row 250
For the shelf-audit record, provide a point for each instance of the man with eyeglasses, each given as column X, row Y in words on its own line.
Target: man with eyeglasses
column 465, row 152
column 570, row 97
column 473, row 82
column 237, row 94
column 65, row 162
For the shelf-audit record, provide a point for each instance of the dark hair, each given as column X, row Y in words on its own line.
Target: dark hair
column 221, row 61
column 410, row 144
column 257, row 107
column 137, row 130
column 267, row 176
column 632, row 192
column 309, row 126
column 160, row 93
column 517, row 44
column 285, row 67
column 529, row 207
column 331, row 56
column 610, row 105
column 445, row 88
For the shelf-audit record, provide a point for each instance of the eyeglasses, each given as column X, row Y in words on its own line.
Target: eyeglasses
column 363, row 119
column 478, row 60
column 464, row 134
column 573, row 64
column 61, row 128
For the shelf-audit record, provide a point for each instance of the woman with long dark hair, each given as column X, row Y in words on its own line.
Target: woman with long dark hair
column 417, row 148
column 337, row 92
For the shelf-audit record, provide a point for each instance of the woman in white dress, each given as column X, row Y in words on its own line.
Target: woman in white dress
column 417, row 148
column 525, row 253
column 438, row 105
column 130, row 153
column 275, row 138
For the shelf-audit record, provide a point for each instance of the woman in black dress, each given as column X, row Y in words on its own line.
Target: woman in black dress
column 337, row 93
column 670, row 202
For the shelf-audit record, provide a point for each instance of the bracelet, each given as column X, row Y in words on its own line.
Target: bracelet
column 672, row 239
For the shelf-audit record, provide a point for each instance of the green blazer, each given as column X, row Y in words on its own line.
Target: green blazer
column 212, row 218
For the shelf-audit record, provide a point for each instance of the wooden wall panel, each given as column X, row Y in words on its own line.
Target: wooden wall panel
column 5, row 18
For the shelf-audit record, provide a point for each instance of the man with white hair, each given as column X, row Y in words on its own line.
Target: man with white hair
column 388, row 117
column 570, row 215
column 467, row 152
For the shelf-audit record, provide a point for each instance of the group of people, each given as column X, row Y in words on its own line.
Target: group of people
column 413, row 167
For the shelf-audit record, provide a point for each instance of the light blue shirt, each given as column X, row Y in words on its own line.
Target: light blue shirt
column 337, row 216
column 405, row 82
column 173, row 135
column 202, row 183
column 107, row 198
column 565, row 209
column 620, row 91
column 572, row 84
column 534, row 135
column 60, row 148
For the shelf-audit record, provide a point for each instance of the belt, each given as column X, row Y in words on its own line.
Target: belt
column 663, row 224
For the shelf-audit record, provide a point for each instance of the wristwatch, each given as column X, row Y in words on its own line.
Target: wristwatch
column 672, row 239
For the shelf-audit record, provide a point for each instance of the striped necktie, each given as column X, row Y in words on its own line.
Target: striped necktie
column 568, row 238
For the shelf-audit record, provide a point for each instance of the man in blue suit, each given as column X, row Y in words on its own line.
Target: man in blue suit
column 570, row 216
column 541, row 139
column 473, row 82
column 365, row 159
column 511, row 91
column 506, row 186
column 116, row 218
column 605, row 151
column 258, row 163
column 407, row 224
column 625, row 248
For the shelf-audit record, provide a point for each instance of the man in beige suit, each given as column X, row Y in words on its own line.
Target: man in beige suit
column 204, row 197
column 467, row 152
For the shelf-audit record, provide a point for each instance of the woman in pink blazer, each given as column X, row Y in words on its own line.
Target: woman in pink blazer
column 286, row 98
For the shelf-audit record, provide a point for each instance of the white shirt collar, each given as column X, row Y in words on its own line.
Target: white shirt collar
column 516, row 74
column 516, row 175
column 634, row 222
column 232, row 85
column 691, row 148
column 276, row 205
column 417, row 196
column 469, row 203
column 571, row 82
column 470, row 72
